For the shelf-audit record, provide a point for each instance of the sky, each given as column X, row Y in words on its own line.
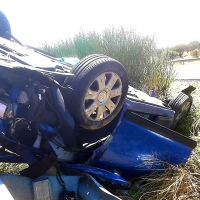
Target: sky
column 35, row 21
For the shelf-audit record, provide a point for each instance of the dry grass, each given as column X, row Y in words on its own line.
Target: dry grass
column 12, row 168
column 177, row 183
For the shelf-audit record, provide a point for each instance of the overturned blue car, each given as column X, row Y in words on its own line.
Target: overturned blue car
column 85, row 117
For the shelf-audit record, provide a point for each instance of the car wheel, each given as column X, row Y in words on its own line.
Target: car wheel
column 181, row 104
column 5, row 29
column 99, row 84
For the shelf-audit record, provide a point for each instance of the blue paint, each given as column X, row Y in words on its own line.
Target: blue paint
column 14, row 92
column 134, row 151
column 152, row 93
column 94, row 171
column 47, row 128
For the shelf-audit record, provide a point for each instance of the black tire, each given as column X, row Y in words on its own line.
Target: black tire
column 87, row 74
column 5, row 29
column 181, row 104
column 84, row 62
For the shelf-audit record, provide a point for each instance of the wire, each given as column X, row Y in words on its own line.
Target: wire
column 18, row 120
column 60, row 180
column 60, row 119
column 51, row 78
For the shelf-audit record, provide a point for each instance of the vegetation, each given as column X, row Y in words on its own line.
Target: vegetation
column 193, row 45
column 195, row 53
column 190, row 47
column 145, row 65
column 172, row 54
column 177, row 182
column 180, row 49
column 12, row 168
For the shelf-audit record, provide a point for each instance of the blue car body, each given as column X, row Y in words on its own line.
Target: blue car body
column 139, row 146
